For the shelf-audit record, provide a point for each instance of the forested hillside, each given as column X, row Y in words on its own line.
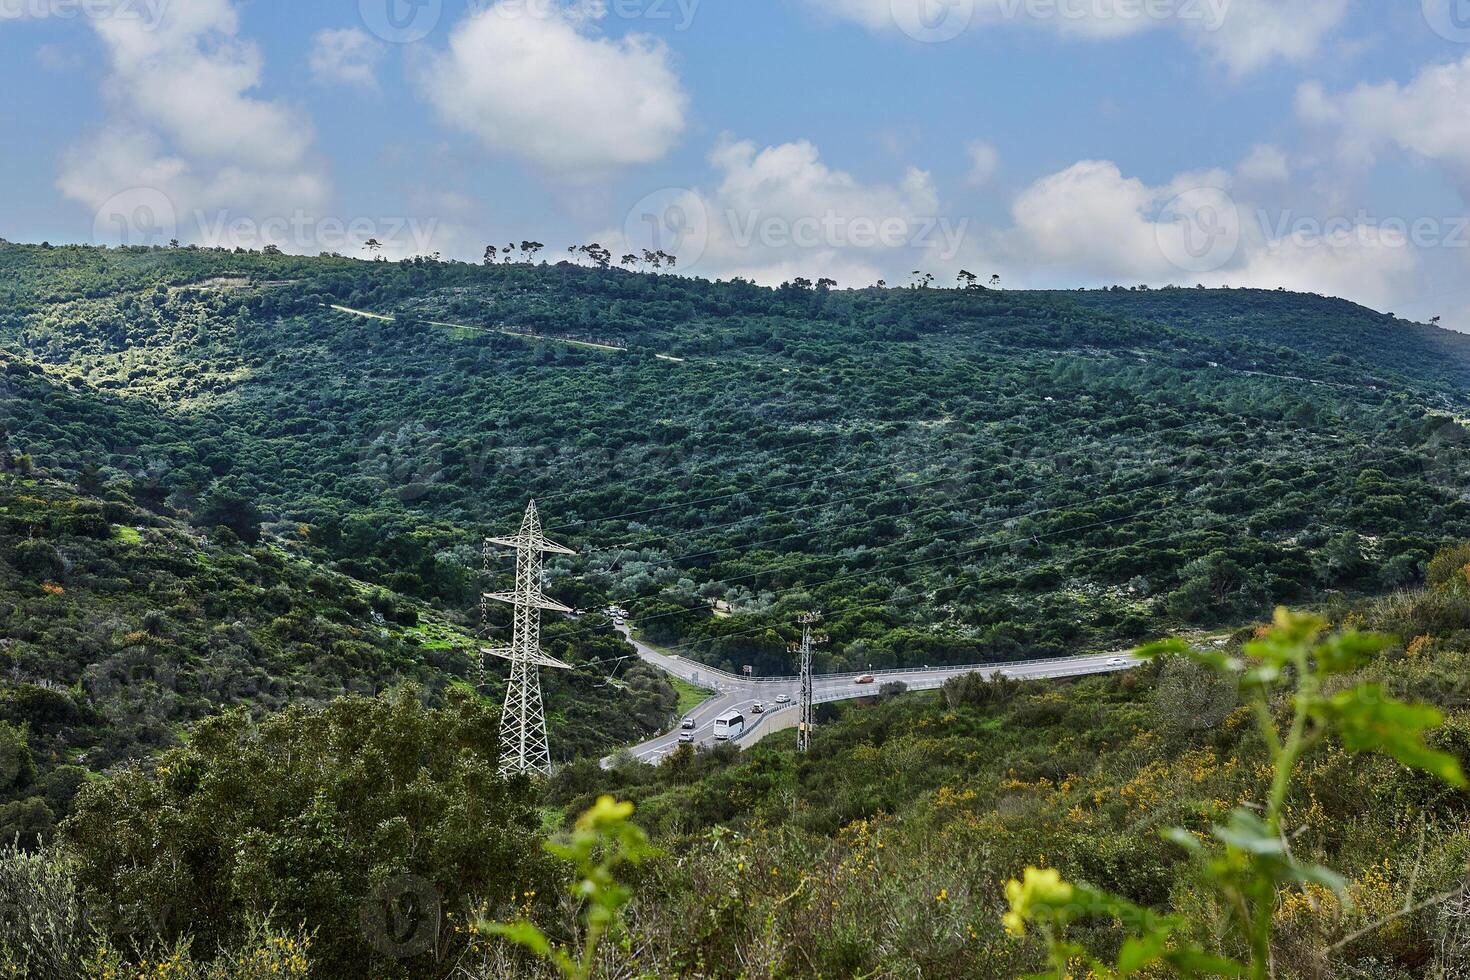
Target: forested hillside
column 952, row 475
column 121, row 629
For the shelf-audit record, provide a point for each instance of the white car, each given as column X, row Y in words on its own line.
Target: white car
column 1117, row 662
column 783, row 699
column 688, row 725
column 686, row 737
column 759, row 708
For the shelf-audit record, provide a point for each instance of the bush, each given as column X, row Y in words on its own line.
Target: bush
column 370, row 800
column 42, row 929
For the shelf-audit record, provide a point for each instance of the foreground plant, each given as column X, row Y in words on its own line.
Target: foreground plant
column 1252, row 860
column 602, row 840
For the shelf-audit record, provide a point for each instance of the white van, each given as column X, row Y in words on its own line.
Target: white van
column 729, row 725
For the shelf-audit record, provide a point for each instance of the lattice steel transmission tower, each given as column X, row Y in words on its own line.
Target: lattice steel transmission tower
column 523, row 743
column 804, row 721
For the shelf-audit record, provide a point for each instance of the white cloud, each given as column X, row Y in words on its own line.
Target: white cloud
column 1362, row 263
column 1252, row 34
column 349, row 56
column 1429, row 116
column 185, row 125
column 1091, row 225
column 1242, row 35
column 534, row 81
column 1089, row 216
column 778, row 212
column 1265, row 164
column 984, row 162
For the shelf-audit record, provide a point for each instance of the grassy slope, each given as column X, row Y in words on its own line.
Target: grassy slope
column 123, row 627
column 885, row 851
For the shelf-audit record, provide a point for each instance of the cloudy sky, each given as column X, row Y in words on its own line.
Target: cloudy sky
column 1320, row 145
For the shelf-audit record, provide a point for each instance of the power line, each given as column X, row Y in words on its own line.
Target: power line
column 524, row 745
column 781, row 486
column 826, row 558
column 892, row 489
column 543, row 498
column 764, row 628
column 858, row 496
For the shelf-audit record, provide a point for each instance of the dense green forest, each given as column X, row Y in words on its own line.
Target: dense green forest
column 953, row 475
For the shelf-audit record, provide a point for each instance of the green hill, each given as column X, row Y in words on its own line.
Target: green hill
column 122, row 629
column 953, row 476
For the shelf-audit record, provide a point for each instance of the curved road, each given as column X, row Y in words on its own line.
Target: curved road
column 733, row 691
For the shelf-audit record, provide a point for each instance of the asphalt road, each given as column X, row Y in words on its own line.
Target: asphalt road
column 732, row 691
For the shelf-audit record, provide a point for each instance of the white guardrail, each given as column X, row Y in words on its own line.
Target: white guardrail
column 714, row 673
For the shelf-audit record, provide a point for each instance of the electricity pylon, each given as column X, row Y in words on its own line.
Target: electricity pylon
column 804, row 720
column 523, row 743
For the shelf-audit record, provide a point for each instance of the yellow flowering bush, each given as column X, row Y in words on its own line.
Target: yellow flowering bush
column 1260, row 882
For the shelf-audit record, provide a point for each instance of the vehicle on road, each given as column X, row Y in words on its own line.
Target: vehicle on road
column 619, row 621
column 759, row 708
column 1117, row 662
column 686, row 737
column 729, row 725
column 783, row 699
column 687, row 725
column 865, row 679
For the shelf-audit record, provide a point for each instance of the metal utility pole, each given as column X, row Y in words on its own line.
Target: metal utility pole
column 523, row 743
column 804, row 720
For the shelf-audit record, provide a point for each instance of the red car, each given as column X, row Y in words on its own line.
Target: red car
column 865, row 679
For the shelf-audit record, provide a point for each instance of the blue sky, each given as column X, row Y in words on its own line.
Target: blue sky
column 1313, row 144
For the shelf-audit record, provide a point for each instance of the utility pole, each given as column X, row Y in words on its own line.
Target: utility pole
column 804, row 720
column 524, row 746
